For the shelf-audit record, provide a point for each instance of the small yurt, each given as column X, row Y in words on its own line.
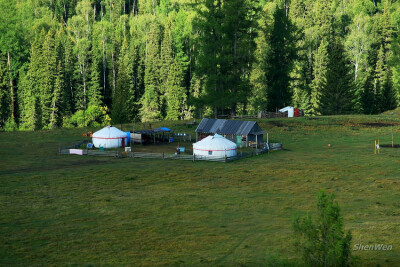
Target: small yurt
column 215, row 146
column 109, row 137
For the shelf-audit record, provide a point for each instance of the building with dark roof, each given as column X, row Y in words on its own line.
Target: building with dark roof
column 243, row 133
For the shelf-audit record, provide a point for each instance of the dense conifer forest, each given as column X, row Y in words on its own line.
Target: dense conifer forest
column 91, row 62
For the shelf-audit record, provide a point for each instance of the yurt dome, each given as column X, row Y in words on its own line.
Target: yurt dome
column 109, row 137
column 215, row 146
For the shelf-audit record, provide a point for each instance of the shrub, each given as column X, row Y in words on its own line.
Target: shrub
column 93, row 116
column 322, row 240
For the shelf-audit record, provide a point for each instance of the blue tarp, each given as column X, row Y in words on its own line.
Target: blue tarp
column 156, row 130
column 165, row 129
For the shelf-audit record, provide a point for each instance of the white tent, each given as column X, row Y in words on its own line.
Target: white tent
column 215, row 146
column 109, row 137
column 290, row 111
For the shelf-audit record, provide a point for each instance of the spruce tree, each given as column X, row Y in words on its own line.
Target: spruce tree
column 225, row 52
column 338, row 96
column 322, row 239
column 150, row 101
column 69, row 63
column 94, row 88
column 31, row 85
column 368, row 96
column 175, row 95
column 49, row 66
column 5, row 111
column 320, row 75
column 280, row 57
column 55, row 115
column 121, row 110
column 166, row 62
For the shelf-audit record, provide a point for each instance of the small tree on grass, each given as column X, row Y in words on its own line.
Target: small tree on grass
column 322, row 239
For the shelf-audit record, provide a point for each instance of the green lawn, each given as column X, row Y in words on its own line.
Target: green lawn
column 81, row 210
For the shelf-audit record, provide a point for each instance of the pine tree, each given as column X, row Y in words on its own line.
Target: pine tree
column 280, row 57
column 368, row 96
column 5, row 111
column 49, row 65
column 94, row 88
column 69, row 63
column 31, row 84
column 320, row 75
column 338, row 96
column 175, row 95
column 150, row 101
column 385, row 93
column 55, row 116
column 322, row 239
column 165, row 64
column 121, row 110
column 225, row 52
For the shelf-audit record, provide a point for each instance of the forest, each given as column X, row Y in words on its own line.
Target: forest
column 80, row 63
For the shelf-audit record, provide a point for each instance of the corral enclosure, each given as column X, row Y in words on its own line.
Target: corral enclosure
column 67, row 210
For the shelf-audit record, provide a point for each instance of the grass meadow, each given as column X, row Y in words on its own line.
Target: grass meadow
column 81, row 210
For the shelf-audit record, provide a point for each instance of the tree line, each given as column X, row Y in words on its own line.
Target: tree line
column 91, row 62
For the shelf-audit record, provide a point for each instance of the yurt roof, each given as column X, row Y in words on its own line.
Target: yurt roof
column 109, row 132
column 215, row 143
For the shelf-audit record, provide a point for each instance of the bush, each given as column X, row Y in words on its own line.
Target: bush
column 323, row 241
column 10, row 125
column 93, row 116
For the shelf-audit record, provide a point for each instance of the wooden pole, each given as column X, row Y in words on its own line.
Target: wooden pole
column 392, row 141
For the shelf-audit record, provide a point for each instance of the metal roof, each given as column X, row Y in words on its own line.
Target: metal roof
column 221, row 126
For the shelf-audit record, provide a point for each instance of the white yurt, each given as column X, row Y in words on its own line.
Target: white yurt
column 109, row 137
column 215, row 146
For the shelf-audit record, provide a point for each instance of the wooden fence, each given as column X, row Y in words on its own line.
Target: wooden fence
column 196, row 157
column 117, row 153
column 105, row 153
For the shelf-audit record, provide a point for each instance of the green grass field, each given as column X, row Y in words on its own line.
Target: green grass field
column 81, row 210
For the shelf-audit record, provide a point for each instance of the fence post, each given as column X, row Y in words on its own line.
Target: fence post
column 163, row 155
column 194, row 157
column 226, row 158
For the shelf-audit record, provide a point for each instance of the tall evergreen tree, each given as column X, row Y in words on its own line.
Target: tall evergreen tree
column 385, row 93
column 55, row 115
column 175, row 94
column 320, row 77
column 31, row 85
column 322, row 239
column 94, row 85
column 49, row 67
column 280, row 57
column 150, row 101
column 226, row 46
column 338, row 96
column 5, row 108
column 121, row 110
column 167, row 59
